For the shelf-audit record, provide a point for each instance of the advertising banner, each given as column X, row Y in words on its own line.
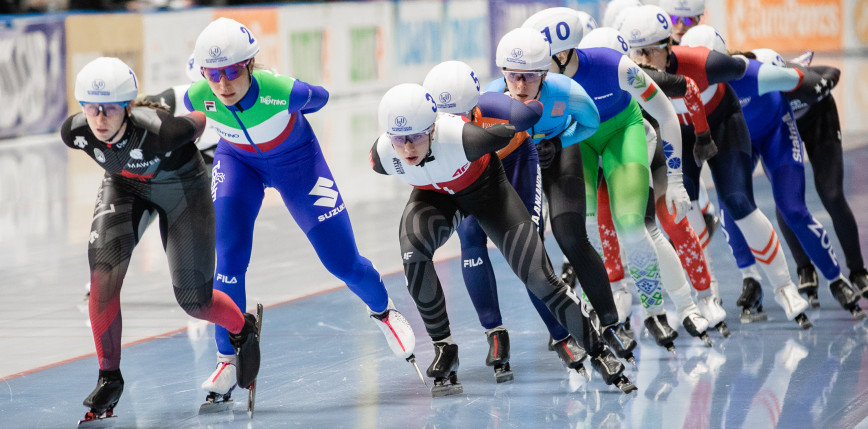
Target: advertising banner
column 785, row 25
column 168, row 42
column 32, row 84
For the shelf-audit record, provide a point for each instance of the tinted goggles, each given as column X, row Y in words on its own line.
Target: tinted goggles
column 231, row 72
column 527, row 76
column 686, row 20
column 110, row 110
column 414, row 139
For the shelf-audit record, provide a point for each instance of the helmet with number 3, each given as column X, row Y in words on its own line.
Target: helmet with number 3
column 454, row 86
column 523, row 49
column 645, row 25
column 562, row 27
column 106, row 80
column 704, row 35
column 407, row 109
column 605, row 37
column 224, row 42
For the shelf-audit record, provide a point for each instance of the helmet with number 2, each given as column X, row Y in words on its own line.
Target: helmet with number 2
column 407, row 109
column 454, row 86
column 562, row 27
column 605, row 37
column 645, row 25
column 224, row 42
column 704, row 35
column 106, row 80
column 523, row 49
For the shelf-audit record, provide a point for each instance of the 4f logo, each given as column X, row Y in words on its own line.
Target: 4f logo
column 323, row 189
column 408, row 255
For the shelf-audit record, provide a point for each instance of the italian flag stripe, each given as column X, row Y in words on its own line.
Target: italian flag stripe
column 650, row 92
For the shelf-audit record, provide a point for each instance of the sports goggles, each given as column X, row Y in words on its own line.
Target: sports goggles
column 110, row 110
column 527, row 76
column 231, row 72
column 646, row 51
column 414, row 139
column 686, row 20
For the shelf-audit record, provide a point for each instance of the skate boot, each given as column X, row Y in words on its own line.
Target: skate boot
column 399, row 334
column 710, row 308
column 694, row 323
column 246, row 345
column 571, row 354
column 568, row 274
column 219, row 385
column 751, row 302
column 663, row 334
column 808, row 284
column 787, row 296
column 104, row 397
column 612, row 370
column 623, row 300
column 442, row 370
column 620, row 342
column 847, row 297
column 711, row 223
column 498, row 353
column 859, row 280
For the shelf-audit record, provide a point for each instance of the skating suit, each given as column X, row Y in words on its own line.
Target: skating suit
column 777, row 143
column 460, row 177
column 267, row 142
column 153, row 168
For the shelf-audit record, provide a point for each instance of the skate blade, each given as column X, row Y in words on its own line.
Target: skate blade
column 705, row 338
column 803, row 321
column 814, row 301
column 627, row 387
column 97, row 422
column 503, row 376
column 857, row 312
column 216, row 407
column 754, row 317
column 412, row 360
column 446, row 390
column 723, row 329
column 671, row 349
column 631, row 360
column 583, row 372
column 251, row 400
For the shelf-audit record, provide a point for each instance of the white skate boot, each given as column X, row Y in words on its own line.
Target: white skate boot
column 787, row 296
column 693, row 322
column 623, row 300
column 219, row 386
column 710, row 308
column 399, row 334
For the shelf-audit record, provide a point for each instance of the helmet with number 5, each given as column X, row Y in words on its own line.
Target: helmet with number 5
column 562, row 27
column 106, row 80
column 683, row 7
column 523, row 49
column 407, row 109
column 454, row 86
column 769, row 56
column 645, row 25
column 605, row 37
column 224, row 42
column 614, row 9
column 704, row 35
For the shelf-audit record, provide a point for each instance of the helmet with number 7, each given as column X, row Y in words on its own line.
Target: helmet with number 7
column 106, row 80
column 605, row 37
column 454, row 86
column 562, row 27
column 523, row 49
column 224, row 42
column 407, row 109
column 645, row 25
column 704, row 35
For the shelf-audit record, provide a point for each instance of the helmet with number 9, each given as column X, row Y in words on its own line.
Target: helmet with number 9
column 106, row 80
column 605, row 37
column 454, row 85
column 683, row 7
column 224, row 42
column 562, row 27
column 645, row 25
column 407, row 109
column 704, row 35
column 769, row 56
column 523, row 49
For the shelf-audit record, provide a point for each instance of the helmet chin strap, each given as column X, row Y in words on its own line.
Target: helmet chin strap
column 119, row 129
column 563, row 66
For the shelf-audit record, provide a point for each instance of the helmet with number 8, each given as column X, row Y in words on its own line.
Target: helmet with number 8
column 769, row 56
column 645, row 25
column 407, row 109
column 683, row 7
column 224, row 42
column 106, row 80
column 454, row 86
column 614, row 9
column 523, row 49
column 605, row 37
column 704, row 35
column 562, row 27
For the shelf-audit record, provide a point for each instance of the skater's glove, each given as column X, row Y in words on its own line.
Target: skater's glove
column 704, row 148
column 547, row 150
column 677, row 201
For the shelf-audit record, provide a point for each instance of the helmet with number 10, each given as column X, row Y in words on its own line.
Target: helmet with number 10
column 605, row 37
column 562, row 27
column 224, row 42
column 454, row 86
column 645, row 26
column 407, row 109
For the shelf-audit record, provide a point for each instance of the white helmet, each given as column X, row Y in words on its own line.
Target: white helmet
column 523, row 49
column 645, row 25
column 106, row 80
column 407, row 109
column 194, row 73
column 562, row 27
column 454, row 85
column 224, row 42
column 704, row 35
column 683, row 7
column 768, row 56
column 614, row 9
column 605, row 37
